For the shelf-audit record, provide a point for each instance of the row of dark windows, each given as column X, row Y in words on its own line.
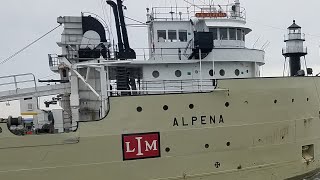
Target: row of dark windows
column 172, row 35
column 218, row 34
column 178, row 73
column 228, row 34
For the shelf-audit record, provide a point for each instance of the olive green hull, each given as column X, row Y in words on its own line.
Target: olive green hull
column 266, row 122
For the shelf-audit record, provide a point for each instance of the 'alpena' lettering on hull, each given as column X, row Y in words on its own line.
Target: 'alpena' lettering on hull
column 194, row 120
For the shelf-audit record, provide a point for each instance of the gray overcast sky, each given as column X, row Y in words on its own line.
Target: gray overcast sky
column 24, row 21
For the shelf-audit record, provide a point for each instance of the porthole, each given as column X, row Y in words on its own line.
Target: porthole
column 165, row 107
column 155, row 74
column 178, row 73
column 139, row 109
column 191, row 106
column 222, row 72
column 206, row 146
column 237, row 72
column 196, row 71
column 227, row 104
column 275, row 101
column 228, row 143
column 167, row 149
column 247, row 71
column 211, row 72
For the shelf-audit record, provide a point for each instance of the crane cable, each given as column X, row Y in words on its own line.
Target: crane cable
column 26, row 47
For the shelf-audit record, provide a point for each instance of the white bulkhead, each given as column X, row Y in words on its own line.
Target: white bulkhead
column 171, row 32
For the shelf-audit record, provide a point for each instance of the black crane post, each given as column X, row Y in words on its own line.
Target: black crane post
column 116, row 17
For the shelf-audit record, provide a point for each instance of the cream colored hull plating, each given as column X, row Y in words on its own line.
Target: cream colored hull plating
column 266, row 123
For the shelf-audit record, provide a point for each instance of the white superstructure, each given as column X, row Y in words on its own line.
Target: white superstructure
column 189, row 48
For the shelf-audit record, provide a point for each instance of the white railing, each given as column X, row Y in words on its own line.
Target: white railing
column 167, row 87
column 299, row 50
column 201, row 11
column 16, row 82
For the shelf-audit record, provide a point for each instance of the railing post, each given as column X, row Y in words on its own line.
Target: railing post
column 161, row 54
column 146, row 87
column 15, row 83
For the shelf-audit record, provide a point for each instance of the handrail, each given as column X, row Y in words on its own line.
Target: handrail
column 185, row 13
column 16, row 82
column 168, row 86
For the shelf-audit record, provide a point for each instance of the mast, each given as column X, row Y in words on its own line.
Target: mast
column 125, row 52
column 116, row 17
column 123, row 25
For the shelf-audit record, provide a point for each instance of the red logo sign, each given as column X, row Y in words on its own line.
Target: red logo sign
column 141, row 146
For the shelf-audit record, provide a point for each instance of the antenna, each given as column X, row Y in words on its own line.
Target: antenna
column 265, row 45
column 254, row 44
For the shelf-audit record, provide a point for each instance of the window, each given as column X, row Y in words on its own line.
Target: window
column 162, row 35
column 237, row 72
column 239, row 34
column 178, row 73
column 211, row 72
column 183, row 35
column 223, row 33
column 222, row 72
column 243, row 35
column 215, row 33
column 64, row 73
column 232, row 34
column 155, row 74
column 172, row 35
column 30, row 107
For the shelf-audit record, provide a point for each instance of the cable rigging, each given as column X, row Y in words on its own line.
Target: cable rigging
column 29, row 45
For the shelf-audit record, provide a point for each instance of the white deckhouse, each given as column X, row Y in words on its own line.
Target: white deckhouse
column 176, row 36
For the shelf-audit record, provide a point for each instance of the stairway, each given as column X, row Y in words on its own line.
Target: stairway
column 122, row 80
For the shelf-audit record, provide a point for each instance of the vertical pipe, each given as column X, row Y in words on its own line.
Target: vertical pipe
column 104, row 90
column 116, row 17
column 123, row 25
column 88, row 73
column 200, row 57
column 15, row 83
column 74, row 102
column 213, row 66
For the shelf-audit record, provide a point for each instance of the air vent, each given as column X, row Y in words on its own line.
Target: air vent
column 308, row 153
column 30, row 107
